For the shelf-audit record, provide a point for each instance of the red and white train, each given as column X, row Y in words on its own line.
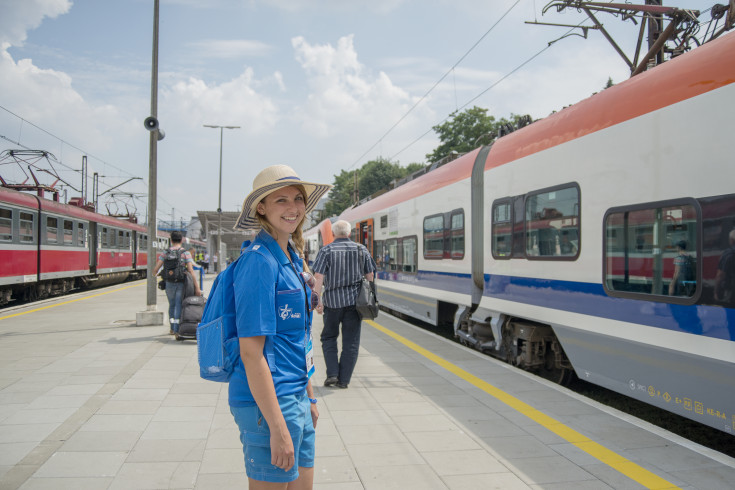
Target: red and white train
column 48, row 248
column 553, row 248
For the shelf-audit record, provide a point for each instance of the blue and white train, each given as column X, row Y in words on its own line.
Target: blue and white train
column 555, row 247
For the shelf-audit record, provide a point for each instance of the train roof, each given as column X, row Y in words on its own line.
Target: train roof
column 702, row 70
column 32, row 201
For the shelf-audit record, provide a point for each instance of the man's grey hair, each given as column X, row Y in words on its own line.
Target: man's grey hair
column 732, row 235
column 341, row 229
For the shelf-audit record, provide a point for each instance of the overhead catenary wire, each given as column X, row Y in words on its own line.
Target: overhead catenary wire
column 450, row 70
column 483, row 92
column 64, row 142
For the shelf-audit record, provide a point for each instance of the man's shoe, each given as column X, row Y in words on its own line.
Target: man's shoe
column 171, row 332
column 331, row 381
column 342, row 385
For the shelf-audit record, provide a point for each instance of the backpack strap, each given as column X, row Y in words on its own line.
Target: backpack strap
column 268, row 349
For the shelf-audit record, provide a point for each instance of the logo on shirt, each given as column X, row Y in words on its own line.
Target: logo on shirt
column 285, row 313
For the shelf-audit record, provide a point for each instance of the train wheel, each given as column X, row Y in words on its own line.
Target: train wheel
column 554, row 373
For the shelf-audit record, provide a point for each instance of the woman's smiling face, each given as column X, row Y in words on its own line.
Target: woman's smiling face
column 284, row 209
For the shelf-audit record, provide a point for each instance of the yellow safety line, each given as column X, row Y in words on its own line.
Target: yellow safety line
column 610, row 458
column 67, row 302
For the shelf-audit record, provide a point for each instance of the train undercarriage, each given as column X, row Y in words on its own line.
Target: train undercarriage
column 57, row 287
column 528, row 345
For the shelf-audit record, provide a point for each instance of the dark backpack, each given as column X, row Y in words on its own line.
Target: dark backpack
column 689, row 269
column 174, row 267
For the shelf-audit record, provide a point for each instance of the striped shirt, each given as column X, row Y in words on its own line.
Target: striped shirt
column 343, row 263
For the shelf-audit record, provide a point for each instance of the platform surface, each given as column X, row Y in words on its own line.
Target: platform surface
column 89, row 400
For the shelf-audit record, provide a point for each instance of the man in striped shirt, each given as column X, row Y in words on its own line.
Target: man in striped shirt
column 340, row 267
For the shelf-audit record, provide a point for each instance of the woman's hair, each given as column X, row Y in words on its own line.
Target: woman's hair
column 297, row 237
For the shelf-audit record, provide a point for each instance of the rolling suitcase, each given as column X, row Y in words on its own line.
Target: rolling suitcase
column 191, row 314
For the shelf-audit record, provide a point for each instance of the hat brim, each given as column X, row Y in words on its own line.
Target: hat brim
column 248, row 220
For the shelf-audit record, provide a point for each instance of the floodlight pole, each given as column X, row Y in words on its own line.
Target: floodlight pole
column 219, row 201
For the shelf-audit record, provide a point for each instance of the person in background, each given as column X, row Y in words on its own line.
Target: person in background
column 270, row 392
column 340, row 267
column 175, row 288
column 684, row 272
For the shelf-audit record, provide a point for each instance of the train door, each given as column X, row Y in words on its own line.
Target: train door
column 134, row 243
column 365, row 235
column 92, row 239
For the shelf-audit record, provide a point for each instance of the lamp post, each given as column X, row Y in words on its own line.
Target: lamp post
column 219, row 201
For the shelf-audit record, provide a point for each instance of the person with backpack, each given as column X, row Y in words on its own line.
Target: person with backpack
column 683, row 282
column 173, row 264
column 270, row 392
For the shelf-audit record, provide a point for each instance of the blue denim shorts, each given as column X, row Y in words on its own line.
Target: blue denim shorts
column 255, row 437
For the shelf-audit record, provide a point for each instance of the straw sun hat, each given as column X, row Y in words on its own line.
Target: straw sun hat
column 267, row 181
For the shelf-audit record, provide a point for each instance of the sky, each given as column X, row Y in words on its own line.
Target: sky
column 320, row 85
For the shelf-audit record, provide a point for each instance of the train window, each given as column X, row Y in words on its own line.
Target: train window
column 502, row 227
column 68, row 232
column 552, row 223
column 379, row 254
column 120, row 243
column 26, row 227
column 434, row 237
column 408, row 254
column 105, row 237
column 391, row 253
column 652, row 250
column 456, row 232
column 127, row 240
column 6, row 224
column 52, row 229
column 81, row 234
column 384, row 221
column 718, row 245
column 518, row 247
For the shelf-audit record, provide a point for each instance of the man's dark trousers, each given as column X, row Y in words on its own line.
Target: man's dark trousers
column 350, row 320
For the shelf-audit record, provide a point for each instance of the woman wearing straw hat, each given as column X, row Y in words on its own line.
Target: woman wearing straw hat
column 270, row 393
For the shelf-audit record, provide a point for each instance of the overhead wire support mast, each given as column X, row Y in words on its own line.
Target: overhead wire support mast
column 682, row 26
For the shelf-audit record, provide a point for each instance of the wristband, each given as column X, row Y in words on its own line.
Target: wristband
column 313, row 401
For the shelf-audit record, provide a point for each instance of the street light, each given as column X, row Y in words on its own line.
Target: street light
column 219, row 202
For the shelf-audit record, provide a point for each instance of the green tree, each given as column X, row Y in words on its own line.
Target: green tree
column 376, row 175
column 372, row 177
column 465, row 131
column 340, row 196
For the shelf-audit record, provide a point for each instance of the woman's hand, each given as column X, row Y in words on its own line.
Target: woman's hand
column 314, row 414
column 282, row 453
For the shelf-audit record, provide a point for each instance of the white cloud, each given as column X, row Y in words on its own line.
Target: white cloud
column 236, row 102
column 18, row 17
column 344, row 97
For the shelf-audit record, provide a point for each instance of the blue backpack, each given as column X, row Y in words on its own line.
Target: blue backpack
column 218, row 346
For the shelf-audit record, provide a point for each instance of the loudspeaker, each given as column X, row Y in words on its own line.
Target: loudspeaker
column 150, row 123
